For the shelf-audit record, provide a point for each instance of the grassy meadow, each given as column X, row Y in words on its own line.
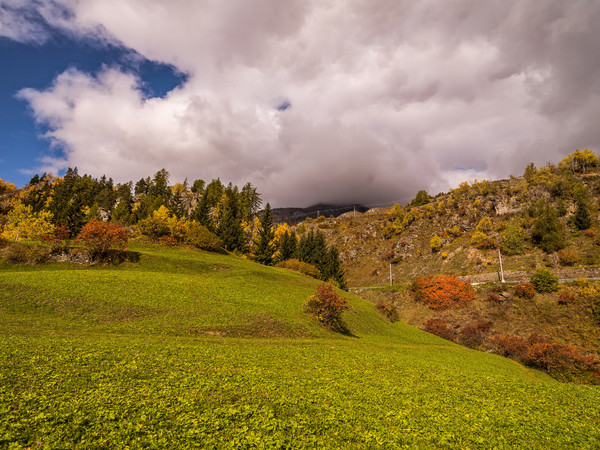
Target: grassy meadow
column 191, row 349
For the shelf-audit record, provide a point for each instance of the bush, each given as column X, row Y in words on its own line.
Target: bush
column 26, row 254
column 590, row 233
column 474, row 334
column 327, row 307
column 483, row 241
column 199, row 236
column 544, row 281
column 568, row 256
column 98, row 237
column 525, row 290
column 439, row 328
column 298, row 266
column 509, row 346
column 442, row 292
column 436, row 243
column 561, row 360
column 566, row 298
column 388, row 308
column 59, row 240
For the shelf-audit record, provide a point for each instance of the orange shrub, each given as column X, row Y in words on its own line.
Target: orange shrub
column 439, row 328
column 590, row 233
column 99, row 237
column 442, row 292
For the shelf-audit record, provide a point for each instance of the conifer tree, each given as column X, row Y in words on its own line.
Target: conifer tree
column 582, row 219
column 288, row 246
column 230, row 226
column 265, row 249
column 333, row 268
column 548, row 232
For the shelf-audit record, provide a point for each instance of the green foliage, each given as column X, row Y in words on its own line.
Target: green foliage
column 197, row 235
column 230, row 226
column 483, row 241
column 288, row 245
column 327, row 307
column 548, row 233
column 582, row 220
column 422, row 198
column 265, row 246
column 301, row 267
column 543, row 280
column 513, row 239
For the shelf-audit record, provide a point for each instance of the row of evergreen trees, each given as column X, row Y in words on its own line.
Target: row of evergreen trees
column 73, row 199
column 310, row 248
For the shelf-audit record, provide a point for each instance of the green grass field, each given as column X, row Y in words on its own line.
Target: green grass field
column 191, row 349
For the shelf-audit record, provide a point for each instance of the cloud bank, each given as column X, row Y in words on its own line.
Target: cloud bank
column 383, row 97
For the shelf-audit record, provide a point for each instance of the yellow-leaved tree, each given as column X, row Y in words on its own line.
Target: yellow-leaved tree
column 22, row 224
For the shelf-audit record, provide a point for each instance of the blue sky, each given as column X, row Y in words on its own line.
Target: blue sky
column 36, row 66
column 336, row 101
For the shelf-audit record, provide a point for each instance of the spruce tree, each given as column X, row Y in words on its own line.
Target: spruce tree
column 288, row 246
column 230, row 227
column 333, row 268
column 548, row 232
column 265, row 249
column 582, row 219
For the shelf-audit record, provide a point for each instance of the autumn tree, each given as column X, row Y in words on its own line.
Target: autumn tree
column 99, row 237
column 580, row 161
column 22, row 224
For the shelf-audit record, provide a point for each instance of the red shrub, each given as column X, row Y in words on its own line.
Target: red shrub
column 474, row 334
column 525, row 290
column 559, row 358
column 566, row 298
column 167, row 240
column 442, row 292
column 512, row 346
column 327, row 307
column 439, row 328
column 99, row 237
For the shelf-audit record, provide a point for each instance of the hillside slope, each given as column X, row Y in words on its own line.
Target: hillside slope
column 186, row 348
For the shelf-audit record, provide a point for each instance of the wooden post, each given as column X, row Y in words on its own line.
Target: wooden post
column 501, row 270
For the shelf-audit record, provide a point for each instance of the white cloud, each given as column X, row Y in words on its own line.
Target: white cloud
column 387, row 97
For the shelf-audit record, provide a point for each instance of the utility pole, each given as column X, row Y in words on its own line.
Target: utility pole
column 501, row 270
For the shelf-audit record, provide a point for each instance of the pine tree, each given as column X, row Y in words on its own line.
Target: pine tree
column 548, row 232
column 288, row 246
column 582, row 219
column 265, row 249
column 333, row 268
column 230, row 226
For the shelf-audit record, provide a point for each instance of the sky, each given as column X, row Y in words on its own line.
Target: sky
column 337, row 101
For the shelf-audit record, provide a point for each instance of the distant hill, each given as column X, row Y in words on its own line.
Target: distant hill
column 295, row 215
